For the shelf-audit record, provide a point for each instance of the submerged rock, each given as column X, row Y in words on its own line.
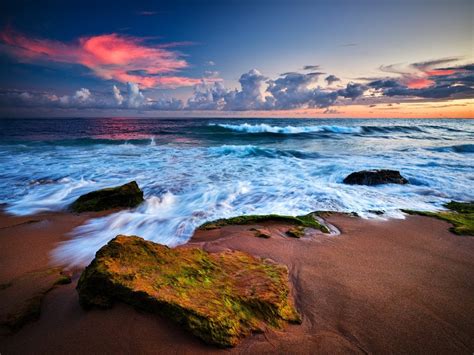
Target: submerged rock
column 375, row 177
column 22, row 297
column 219, row 297
column 127, row 196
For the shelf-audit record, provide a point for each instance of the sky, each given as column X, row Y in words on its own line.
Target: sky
column 259, row 58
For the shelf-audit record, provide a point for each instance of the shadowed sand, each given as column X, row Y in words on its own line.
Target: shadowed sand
column 380, row 286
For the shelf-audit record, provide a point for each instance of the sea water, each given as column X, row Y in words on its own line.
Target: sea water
column 193, row 171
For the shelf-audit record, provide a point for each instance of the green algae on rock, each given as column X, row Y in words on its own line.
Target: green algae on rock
column 460, row 215
column 219, row 297
column 128, row 195
column 261, row 233
column 22, row 297
column 296, row 232
column 305, row 221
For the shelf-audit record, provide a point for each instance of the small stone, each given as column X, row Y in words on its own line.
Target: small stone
column 296, row 232
column 261, row 233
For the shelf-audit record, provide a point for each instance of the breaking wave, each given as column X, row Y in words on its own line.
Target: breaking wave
column 266, row 128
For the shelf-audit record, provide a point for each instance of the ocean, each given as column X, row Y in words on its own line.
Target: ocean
column 196, row 170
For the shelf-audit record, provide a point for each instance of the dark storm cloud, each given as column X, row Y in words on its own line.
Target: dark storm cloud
column 436, row 92
column 352, row 91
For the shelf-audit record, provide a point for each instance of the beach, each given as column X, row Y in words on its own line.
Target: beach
column 238, row 177
column 380, row 286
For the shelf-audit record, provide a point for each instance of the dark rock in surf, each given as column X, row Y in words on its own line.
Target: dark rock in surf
column 375, row 177
column 125, row 196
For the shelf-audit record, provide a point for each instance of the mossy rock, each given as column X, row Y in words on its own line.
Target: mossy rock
column 460, row 215
column 22, row 297
column 296, row 232
column 261, row 233
column 219, row 297
column 307, row 220
column 125, row 196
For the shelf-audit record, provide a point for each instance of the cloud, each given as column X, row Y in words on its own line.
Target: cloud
column 331, row 79
column 207, row 96
column 290, row 90
column 251, row 96
column 418, row 75
column 352, row 91
column 135, row 98
column 311, row 67
column 429, row 79
column 82, row 95
column 147, row 13
column 293, row 90
column 85, row 99
column 257, row 92
column 211, row 74
column 117, row 95
column 109, row 56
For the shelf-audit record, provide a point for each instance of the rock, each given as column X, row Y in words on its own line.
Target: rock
column 262, row 233
column 219, row 297
column 21, row 298
column 460, row 215
column 125, row 196
column 296, row 232
column 375, row 177
column 307, row 220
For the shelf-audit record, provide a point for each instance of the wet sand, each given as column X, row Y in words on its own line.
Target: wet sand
column 381, row 286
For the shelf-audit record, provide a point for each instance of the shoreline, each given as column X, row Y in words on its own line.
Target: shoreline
column 379, row 286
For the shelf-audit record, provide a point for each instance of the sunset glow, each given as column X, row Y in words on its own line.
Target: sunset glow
column 128, row 70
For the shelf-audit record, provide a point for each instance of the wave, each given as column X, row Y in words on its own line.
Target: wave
column 254, row 151
column 459, row 148
column 331, row 129
column 266, row 128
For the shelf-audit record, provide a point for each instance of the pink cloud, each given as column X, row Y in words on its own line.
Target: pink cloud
column 419, row 83
column 440, row 72
column 422, row 79
column 109, row 56
column 420, row 75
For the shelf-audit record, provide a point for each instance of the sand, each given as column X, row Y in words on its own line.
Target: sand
column 392, row 286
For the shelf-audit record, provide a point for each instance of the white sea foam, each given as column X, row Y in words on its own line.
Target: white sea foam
column 266, row 128
column 187, row 185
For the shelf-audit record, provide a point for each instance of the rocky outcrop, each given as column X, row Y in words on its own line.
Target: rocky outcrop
column 125, row 196
column 21, row 298
column 375, row 177
column 307, row 220
column 219, row 297
column 460, row 215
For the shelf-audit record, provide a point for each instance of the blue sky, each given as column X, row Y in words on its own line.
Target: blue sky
column 356, row 41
